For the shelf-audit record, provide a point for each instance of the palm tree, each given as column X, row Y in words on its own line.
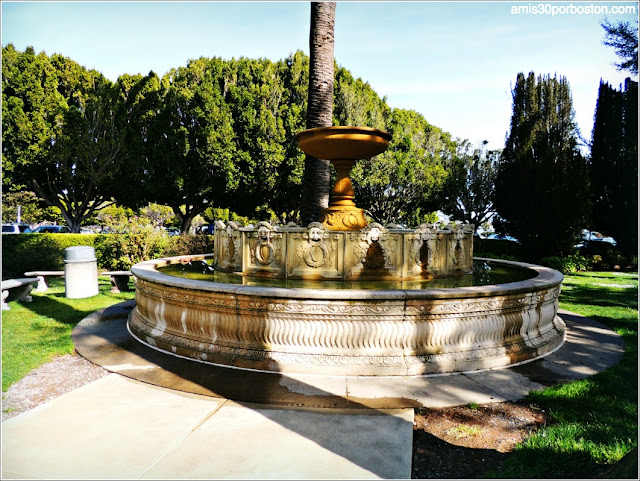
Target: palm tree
column 316, row 180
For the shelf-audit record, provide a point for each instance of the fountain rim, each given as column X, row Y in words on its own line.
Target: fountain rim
column 339, row 130
column 546, row 278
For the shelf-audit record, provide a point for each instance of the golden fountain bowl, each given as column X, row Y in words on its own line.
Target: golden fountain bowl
column 333, row 143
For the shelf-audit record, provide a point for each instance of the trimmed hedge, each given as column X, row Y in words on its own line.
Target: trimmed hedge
column 38, row 252
column 45, row 252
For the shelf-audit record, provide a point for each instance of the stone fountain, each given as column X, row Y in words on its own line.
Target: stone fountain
column 343, row 297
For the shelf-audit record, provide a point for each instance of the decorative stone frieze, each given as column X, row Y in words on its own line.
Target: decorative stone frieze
column 263, row 250
column 316, row 252
column 228, row 246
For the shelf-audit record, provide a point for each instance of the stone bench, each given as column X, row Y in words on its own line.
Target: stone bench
column 43, row 278
column 17, row 290
column 119, row 280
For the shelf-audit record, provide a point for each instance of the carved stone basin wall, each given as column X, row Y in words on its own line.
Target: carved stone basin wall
column 351, row 331
column 314, row 252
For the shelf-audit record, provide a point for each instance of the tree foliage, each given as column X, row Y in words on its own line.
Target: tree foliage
column 469, row 190
column 32, row 209
column 214, row 134
column 356, row 103
column 218, row 133
column 400, row 185
column 192, row 141
column 614, row 164
column 542, row 185
column 267, row 102
column 59, row 135
column 623, row 37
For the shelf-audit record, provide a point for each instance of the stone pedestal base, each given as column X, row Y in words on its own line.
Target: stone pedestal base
column 343, row 218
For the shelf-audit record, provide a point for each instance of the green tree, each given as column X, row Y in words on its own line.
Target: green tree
column 217, row 133
column 59, row 135
column 468, row 192
column 317, row 172
column 400, row 185
column 157, row 214
column 184, row 153
column 32, row 209
column 267, row 113
column 356, row 103
column 139, row 102
column 542, row 184
column 623, row 37
column 614, row 164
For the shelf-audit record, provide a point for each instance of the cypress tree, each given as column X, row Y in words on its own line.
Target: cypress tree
column 541, row 192
column 614, row 164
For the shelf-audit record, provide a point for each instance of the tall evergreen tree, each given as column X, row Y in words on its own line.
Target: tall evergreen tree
column 614, row 164
column 216, row 133
column 623, row 37
column 542, row 183
column 185, row 150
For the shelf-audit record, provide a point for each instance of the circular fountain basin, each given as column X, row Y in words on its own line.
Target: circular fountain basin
column 350, row 331
column 343, row 142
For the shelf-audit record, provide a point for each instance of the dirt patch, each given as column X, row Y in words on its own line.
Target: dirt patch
column 463, row 442
column 58, row 377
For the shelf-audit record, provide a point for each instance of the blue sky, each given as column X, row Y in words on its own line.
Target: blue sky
column 454, row 62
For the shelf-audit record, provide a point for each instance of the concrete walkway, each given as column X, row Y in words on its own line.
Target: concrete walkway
column 163, row 417
column 118, row 428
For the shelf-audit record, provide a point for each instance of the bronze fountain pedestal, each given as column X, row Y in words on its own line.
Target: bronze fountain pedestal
column 342, row 146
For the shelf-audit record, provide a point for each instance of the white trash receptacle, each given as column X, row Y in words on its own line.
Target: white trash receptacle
column 80, row 272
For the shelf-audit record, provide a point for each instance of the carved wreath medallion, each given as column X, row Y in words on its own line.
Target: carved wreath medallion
column 316, row 251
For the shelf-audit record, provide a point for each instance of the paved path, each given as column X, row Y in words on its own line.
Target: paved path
column 163, row 417
column 118, row 428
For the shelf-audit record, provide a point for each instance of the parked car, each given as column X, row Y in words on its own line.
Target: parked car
column 502, row 237
column 171, row 231
column 208, row 229
column 592, row 236
column 15, row 228
column 52, row 229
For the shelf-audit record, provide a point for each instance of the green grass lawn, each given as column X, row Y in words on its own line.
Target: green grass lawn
column 36, row 332
column 594, row 420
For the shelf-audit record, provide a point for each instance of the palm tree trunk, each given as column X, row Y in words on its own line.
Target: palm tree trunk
column 317, row 173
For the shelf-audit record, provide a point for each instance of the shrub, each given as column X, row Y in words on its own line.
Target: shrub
column 45, row 252
column 186, row 244
column 119, row 252
column 606, row 256
column 567, row 265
